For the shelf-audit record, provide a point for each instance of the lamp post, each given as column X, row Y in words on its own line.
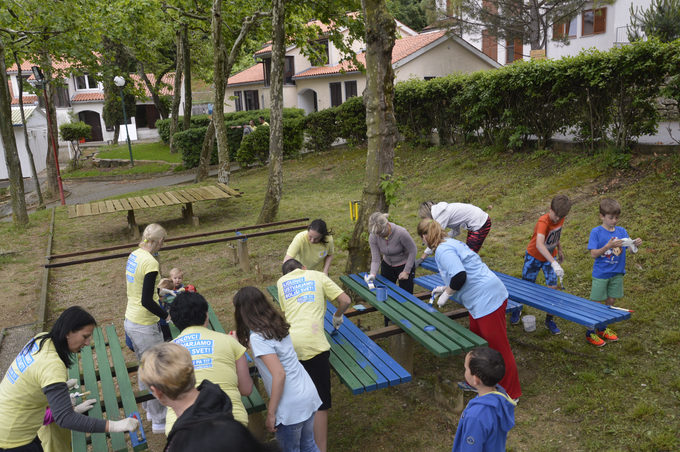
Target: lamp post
column 40, row 79
column 120, row 83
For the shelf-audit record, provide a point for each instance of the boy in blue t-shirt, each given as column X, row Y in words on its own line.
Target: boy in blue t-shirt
column 607, row 246
column 486, row 421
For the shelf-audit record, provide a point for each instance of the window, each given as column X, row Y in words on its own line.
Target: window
column 60, row 99
column 238, row 102
column 560, row 29
column 427, row 79
column 86, row 82
column 489, row 45
column 252, row 101
column 289, row 71
column 146, row 116
column 350, row 89
column 336, row 94
column 513, row 51
column 321, row 47
column 594, row 21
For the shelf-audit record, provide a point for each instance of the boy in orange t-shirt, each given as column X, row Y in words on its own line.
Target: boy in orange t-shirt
column 542, row 252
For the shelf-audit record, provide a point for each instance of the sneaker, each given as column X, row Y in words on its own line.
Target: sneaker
column 466, row 387
column 549, row 324
column 608, row 334
column 516, row 400
column 595, row 340
column 158, row 428
column 514, row 318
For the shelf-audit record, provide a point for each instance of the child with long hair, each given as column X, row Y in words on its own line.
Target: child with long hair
column 293, row 398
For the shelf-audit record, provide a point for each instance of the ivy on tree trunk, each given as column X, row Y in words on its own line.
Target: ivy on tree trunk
column 52, row 181
column 382, row 130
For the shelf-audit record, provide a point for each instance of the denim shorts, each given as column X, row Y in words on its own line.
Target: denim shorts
column 531, row 268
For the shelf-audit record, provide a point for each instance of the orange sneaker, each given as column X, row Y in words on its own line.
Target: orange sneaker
column 595, row 340
column 608, row 334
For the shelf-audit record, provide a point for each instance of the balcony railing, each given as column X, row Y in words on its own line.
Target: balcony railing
column 622, row 38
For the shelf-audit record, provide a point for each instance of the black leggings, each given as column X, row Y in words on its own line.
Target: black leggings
column 392, row 273
column 33, row 446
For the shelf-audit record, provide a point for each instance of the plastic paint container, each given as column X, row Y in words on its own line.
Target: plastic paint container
column 381, row 293
column 529, row 323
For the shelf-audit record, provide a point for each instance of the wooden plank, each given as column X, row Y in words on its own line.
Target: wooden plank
column 180, row 196
column 149, row 202
column 205, row 193
column 78, row 439
column 157, row 200
column 133, row 202
column 141, row 203
column 214, row 321
column 109, row 207
column 79, row 210
column 102, row 207
column 196, row 194
column 118, row 206
column 71, row 211
column 186, row 195
column 172, row 197
column 347, row 354
column 87, row 209
column 127, row 395
column 166, row 200
column 216, row 192
column 126, row 204
column 345, row 376
column 228, row 189
column 98, row 439
column 108, row 388
column 95, row 208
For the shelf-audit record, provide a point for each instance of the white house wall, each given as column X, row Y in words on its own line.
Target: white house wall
column 446, row 58
column 322, row 87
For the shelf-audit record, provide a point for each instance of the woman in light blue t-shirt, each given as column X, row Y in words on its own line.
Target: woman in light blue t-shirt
column 293, row 397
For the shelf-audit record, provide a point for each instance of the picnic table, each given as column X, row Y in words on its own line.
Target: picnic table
column 421, row 322
column 360, row 363
column 588, row 313
column 186, row 196
column 111, row 386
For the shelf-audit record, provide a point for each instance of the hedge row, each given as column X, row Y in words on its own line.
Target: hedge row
column 604, row 97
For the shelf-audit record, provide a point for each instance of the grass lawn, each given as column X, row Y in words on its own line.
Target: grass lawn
column 621, row 397
column 137, row 169
column 142, row 151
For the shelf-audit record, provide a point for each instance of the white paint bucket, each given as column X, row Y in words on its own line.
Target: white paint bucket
column 529, row 323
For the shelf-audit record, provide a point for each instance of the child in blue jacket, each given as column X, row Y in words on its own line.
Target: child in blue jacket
column 488, row 418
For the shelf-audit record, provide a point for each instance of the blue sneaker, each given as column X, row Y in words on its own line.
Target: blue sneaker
column 466, row 387
column 549, row 324
column 514, row 318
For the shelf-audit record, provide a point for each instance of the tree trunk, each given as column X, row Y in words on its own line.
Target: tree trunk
column 272, row 196
column 52, row 181
column 382, row 130
column 219, row 53
column 186, row 54
column 206, row 152
column 154, row 89
column 34, row 173
column 177, row 92
column 535, row 26
column 116, row 134
column 16, row 182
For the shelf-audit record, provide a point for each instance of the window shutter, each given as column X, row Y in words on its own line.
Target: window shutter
column 600, row 21
column 256, row 100
column 558, row 31
column 489, row 45
column 152, row 115
column 519, row 50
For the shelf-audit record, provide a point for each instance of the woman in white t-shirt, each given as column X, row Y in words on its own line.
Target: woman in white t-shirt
column 293, row 398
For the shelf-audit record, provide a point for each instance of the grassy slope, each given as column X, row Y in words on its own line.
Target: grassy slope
column 622, row 397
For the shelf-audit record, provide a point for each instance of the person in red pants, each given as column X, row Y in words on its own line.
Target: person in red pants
column 479, row 290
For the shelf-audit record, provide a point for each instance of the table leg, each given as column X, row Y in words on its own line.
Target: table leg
column 232, row 254
column 400, row 348
column 132, row 223
column 243, row 257
column 188, row 212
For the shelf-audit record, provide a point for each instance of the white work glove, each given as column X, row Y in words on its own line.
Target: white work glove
column 419, row 262
column 443, row 298
column 558, row 269
column 437, row 291
column 337, row 321
column 85, row 406
column 630, row 244
column 126, row 425
column 369, row 277
column 72, row 383
column 165, row 292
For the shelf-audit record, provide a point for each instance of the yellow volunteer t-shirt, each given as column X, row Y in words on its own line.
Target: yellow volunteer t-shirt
column 22, row 402
column 214, row 356
column 139, row 264
column 310, row 255
column 303, row 295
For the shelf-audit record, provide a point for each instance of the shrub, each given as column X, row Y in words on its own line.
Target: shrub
column 74, row 131
column 254, row 147
column 321, row 129
column 189, row 143
column 351, row 121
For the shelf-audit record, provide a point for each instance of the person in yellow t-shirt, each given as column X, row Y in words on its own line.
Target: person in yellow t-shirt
column 143, row 309
column 313, row 247
column 302, row 296
column 217, row 357
column 38, row 377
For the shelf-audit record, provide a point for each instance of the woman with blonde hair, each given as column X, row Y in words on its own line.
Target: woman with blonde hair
column 143, row 310
column 204, row 414
column 479, row 290
column 392, row 250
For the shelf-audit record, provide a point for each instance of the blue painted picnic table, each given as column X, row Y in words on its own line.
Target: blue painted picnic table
column 584, row 312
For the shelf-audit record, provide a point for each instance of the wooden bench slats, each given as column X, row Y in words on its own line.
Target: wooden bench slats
column 79, row 210
column 127, row 395
column 208, row 194
column 180, row 196
column 219, row 194
column 347, row 378
column 344, row 353
column 173, row 198
column 108, row 389
column 102, row 207
column 186, row 195
column 126, row 204
column 149, row 202
column 142, row 204
column 164, row 198
column 214, row 321
column 98, row 439
column 159, row 202
column 133, row 203
column 196, row 193
column 109, row 206
column 87, row 210
column 228, row 189
column 95, row 208
column 118, row 205
column 78, row 439
column 71, row 211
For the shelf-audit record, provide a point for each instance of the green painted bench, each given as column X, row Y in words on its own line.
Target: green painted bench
column 113, row 384
column 360, row 363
